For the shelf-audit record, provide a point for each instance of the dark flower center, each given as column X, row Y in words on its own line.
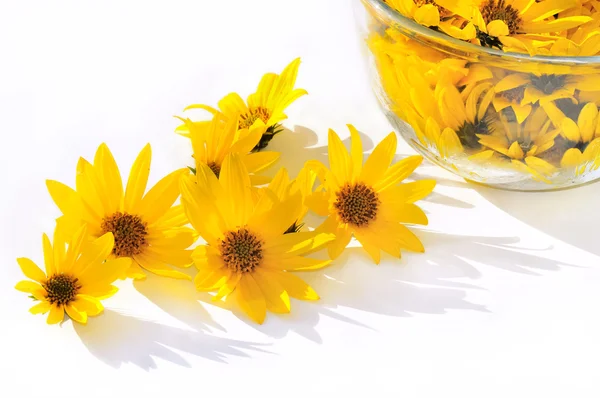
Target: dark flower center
column 514, row 95
column 467, row 133
column 61, row 289
column 548, row 83
column 357, row 204
column 241, row 250
column 248, row 119
column 492, row 10
column 129, row 232
column 215, row 168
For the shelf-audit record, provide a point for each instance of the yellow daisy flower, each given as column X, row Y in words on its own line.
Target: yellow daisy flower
column 532, row 88
column 246, row 250
column 582, row 136
column 146, row 226
column 213, row 141
column 285, row 188
column 367, row 201
column 465, row 112
column 522, row 143
column 273, row 95
column 75, row 278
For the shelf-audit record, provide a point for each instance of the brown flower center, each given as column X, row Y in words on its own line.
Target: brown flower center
column 548, row 83
column 129, row 232
column 357, row 204
column 514, row 95
column 215, row 168
column 61, row 289
column 248, row 119
column 241, row 250
column 492, row 10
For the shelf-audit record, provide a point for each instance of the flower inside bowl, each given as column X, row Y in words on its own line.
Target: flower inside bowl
column 500, row 92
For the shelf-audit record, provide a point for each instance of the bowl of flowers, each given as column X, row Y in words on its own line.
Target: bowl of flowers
column 500, row 92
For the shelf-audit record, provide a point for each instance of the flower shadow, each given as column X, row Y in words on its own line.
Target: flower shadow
column 568, row 215
column 178, row 299
column 118, row 339
column 301, row 144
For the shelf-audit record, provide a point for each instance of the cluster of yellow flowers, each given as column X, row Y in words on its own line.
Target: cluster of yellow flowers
column 496, row 112
column 544, row 27
column 247, row 229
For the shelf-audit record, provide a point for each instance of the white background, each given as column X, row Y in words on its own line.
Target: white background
column 504, row 303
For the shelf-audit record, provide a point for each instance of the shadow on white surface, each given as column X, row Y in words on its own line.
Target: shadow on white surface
column 178, row 298
column 460, row 251
column 569, row 215
column 119, row 339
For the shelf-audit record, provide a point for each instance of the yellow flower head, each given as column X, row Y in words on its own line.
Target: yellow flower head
column 76, row 277
column 247, row 250
column 213, row 141
column 520, row 25
column 522, row 144
column 267, row 105
column 146, row 225
column 367, row 201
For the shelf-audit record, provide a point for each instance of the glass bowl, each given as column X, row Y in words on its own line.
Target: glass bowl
column 506, row 120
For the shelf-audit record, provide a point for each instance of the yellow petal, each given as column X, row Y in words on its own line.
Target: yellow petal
column 236, row 184
column 251, row 299
column 40, row 308
column 75, row 314
column 293, row 285
column 276, row 298
column 27, row 286
column 427, row 15
column 571, row 158
column 49, row 256
column 259, row 161
column 95, row 253
column 151, row 263
column 99, row 292
column 31, row 270
column 408, row 192
column 228, row 287
column 570, row 130
column 407, row 213
column 343, row 235
column 540, row 165
column 369, row 245
column 138, row 178
column 356, row 152
column 587, row 121
column 318, row 202
column 339, row 159
column 56, row 315
column 209, row 279
column 511, row 81
column 379, row 160
column 295, row 263
column 110, row 178
column 449, row 144
column 399, row 172
column 88, row 304
column 278, row 219
column 497, row 28
column 161, row 197
column 515, row 151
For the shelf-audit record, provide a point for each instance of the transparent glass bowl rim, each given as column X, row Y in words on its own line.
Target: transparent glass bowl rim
column 395, row 17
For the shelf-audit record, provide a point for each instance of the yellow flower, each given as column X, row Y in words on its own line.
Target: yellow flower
column 284, row 189
column 522, row 143
column 213, row 141
column 465, row 112
column 432, row 14
column 520, row 25
column 582, row 136
column 146, row 227
column 368, row 202
column 75, row 278
column 273, row 95
column 543, row 88
column 246, row 250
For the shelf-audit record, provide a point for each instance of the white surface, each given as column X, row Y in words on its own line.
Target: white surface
column 504, row 303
